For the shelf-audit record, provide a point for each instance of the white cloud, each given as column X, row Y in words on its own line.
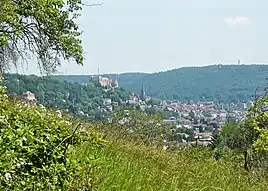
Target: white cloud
column 237, row 20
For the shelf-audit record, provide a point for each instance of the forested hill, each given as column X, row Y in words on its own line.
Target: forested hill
column 125, row 79
column 221, row 82
column 86, row 101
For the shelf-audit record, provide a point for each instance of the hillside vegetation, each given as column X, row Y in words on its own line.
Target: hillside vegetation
column 122, row 165
column 44, row 151
column 228, row 83
column 35, row 146
column 84, row 101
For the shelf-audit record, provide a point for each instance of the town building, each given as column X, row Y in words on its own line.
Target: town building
column 29, row 96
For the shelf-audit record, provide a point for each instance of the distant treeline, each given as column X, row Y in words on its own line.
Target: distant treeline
column 225, row 83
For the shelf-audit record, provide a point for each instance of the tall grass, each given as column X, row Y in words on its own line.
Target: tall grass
column 34, row 158
column 122, row 165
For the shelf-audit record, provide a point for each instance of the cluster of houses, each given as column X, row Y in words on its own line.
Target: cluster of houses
column 202, row 118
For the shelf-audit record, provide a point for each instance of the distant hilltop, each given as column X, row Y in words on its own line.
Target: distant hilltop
column 225, row 83
column 104, row 81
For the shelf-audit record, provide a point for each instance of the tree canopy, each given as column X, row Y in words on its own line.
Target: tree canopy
column 45, row 29
column 84, row 101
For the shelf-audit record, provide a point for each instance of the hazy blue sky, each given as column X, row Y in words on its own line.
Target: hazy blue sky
column 153, row 35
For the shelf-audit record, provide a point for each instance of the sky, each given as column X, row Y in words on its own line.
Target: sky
column 158, row 35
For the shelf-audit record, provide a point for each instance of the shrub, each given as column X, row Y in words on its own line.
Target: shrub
column 34, row 147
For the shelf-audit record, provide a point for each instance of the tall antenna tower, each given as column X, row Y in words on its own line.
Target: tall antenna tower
column 98, row 70
column 238, row 61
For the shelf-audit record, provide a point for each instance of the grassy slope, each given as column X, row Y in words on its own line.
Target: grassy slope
column 118, row 165
column 122, row 165
column 125, row 166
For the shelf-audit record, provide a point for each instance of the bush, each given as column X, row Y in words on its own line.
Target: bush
column 34, row 147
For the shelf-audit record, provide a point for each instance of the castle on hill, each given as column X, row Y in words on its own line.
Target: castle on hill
column 104, row 81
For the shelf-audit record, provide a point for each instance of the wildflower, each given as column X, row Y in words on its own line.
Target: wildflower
column 8, row 176
column 165, row 147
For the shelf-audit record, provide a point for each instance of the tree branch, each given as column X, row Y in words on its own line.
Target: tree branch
column 92, row 5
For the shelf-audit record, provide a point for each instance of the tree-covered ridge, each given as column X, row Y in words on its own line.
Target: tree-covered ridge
column 221, row 82
column 227, row 83
column 85, row 101
column 125, row 79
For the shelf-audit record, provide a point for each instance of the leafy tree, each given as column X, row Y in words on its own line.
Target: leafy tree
column 153, row 101
column 151, row 110
column 229, row 135
column 192, row 114
column 255, row 134
column 46, row 29
column 250, row 137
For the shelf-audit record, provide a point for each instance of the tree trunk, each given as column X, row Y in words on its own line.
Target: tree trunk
column 246, row 160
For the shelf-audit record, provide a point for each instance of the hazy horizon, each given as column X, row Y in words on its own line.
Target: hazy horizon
column 131, row 72
column 154, row 36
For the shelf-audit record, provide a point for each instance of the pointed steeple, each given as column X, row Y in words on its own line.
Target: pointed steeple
column 142, row 95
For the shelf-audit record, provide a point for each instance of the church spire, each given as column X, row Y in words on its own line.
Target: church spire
column 142, row 96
